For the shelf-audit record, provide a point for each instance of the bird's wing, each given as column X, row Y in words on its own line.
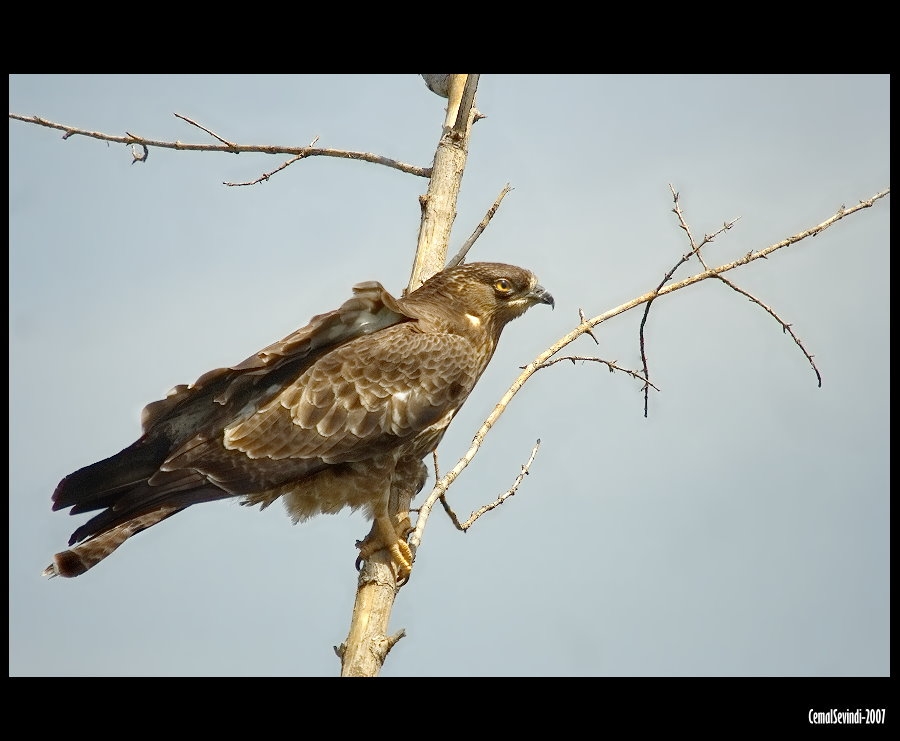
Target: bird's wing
column 365, row 398
column 371, row 309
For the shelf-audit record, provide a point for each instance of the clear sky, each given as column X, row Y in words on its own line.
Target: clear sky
column 743, row 528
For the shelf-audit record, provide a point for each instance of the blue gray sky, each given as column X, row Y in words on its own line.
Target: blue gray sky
column 743, row 528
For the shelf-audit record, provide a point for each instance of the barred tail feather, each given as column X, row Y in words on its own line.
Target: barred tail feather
column 75, row 561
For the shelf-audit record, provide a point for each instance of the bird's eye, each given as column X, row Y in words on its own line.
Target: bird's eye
column 502, row 285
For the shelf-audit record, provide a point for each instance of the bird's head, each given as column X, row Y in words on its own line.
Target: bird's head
column 486, row 294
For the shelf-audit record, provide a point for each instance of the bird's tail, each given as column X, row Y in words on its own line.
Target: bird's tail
column 132, row 494
column 75, row 561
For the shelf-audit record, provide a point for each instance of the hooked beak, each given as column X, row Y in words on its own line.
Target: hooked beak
column 541, row 295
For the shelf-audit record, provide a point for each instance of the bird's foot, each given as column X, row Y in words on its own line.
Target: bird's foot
column 390, row 533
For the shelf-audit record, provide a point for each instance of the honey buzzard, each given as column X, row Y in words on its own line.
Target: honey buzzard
column 324, row 419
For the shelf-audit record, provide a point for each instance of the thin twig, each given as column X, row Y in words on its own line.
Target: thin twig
column 443, row 497
column 785, row 327
column 203, row 128
column 266, row 175
column 463, row 526
column 467, row 245
column 611, row 364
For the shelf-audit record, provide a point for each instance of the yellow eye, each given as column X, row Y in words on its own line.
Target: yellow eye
column 502, row 285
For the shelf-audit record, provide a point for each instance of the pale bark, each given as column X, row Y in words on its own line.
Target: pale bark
column 368, row 642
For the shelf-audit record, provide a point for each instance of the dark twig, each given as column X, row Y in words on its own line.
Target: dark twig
column 695, row 250
column 611, row 364
column 785, row 327
column 443, row 498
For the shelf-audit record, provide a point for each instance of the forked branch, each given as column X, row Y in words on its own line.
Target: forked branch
column 464, row 526
column 695, row 252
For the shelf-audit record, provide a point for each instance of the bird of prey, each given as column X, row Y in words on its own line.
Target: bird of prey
column 328, row 417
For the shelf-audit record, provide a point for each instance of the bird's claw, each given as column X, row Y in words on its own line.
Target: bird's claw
column 384, row 534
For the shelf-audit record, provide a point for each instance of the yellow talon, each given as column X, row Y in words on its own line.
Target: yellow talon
column 384, row 534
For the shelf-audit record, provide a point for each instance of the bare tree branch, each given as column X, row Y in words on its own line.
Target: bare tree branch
column 301, row 152
column 444, row 483
column 696, row 250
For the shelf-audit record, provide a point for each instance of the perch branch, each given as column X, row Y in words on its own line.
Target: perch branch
column 366, row 647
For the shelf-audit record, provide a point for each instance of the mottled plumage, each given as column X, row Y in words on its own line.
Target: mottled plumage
column 324, row 419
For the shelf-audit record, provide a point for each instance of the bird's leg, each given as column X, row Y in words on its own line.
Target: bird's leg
column 392, row 525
